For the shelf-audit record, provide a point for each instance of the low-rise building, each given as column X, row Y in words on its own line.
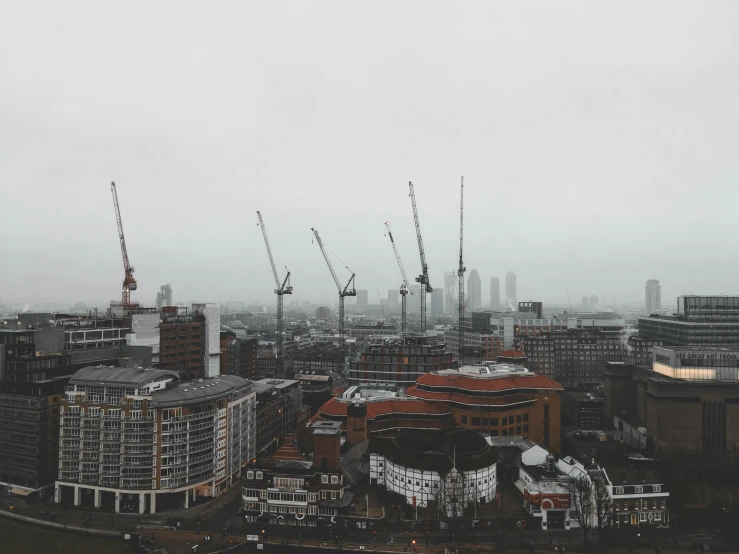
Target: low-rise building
column 639, row 497
column 295, row 491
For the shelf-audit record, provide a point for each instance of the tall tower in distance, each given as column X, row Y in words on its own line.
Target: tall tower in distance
column 494, row 293
column 362, row 301
column 510, row 290
column 164, row 296
column 474, row 291
column 450, row 287
column 652, row 296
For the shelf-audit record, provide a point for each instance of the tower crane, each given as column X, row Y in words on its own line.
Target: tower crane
column 404, row 287
column 129, row 282
column 423, row 278
column 343, row 293
column 281, row 289
column 460, row 278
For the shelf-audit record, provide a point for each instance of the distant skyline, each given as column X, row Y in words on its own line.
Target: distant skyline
column 596, row 140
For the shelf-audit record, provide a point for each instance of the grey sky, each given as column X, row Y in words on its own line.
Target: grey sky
column 598, row 143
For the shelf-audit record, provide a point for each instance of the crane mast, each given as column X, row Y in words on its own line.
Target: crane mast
column 423, row 278
column 129, row 282
column 460, row 278
column 404, row 287
column 343, row 293
column 281, row 289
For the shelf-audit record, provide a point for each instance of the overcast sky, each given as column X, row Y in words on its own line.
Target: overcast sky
column 598, row 142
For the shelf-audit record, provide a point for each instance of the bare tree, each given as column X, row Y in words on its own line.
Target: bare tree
column 581, row 503
column 451, row 500
column 704, row 494
column 729, row 498
column 603, row 505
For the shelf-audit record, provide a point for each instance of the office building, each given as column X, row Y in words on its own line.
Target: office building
column 652, row 297
column 362, row 301
column 510, row 289
column 450, row 292
column 398, row 360
column 534, row 308
column 324, row 313
column 279, row 412
column 474, row 291
column 138, row 440
column 700, row 321
column 413, row 300
column 575, row 357
column 437, row 302
column 494, row 293
column 164, row 297
column 594, row 302
column 581, row 410
column 239, row 355
column 393, row 301
column 584, row 303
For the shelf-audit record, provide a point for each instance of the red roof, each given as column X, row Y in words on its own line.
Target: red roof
column 381, row 407
column 484, row 383
column 513, row 354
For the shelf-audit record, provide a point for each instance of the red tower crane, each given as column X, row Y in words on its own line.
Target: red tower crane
column 129, row 283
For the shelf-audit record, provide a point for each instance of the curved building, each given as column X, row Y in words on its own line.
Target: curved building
column 453, row 468
column 498, row 399
column 137, row 439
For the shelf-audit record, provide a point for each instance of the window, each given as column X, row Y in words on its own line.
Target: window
column 260, row 475
column 485, row 422
column 657, row 516
column 618, row 490
column 494, row 421
column 476, row 421
column 526, row 428
column 324, row 478
column 334, row 479
column 505, row 421
column 323, row 495
column 250, row 475
column 464, row 419
column 333, row 495
column 657, row 488
column 518, row 418
column 642, row 516
column 518, row 429
column 638, row 490
column 662, row 503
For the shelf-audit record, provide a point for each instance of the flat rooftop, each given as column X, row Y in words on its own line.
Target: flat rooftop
column 120, row 376
column 488, row 371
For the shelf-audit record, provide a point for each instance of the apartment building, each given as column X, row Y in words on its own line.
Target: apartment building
column 137, row 440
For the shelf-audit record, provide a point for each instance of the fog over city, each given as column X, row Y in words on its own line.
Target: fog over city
column 597, row 141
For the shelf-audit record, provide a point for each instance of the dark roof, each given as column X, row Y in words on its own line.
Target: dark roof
column 121, row 376
column 344, row 502
column 622, row 476
column 292, row 465
column 437, row 450
column 198, row 391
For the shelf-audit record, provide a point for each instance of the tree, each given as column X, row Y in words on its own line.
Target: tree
column 591, row 504
column 703, row 494
column 451, row 499
column 729, row 498
column 581, row 503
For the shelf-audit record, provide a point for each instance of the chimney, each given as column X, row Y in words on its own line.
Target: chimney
column 327, row 445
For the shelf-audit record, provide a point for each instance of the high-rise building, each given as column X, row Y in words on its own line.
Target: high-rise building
column 414, row 300
column 450, row 294
column 164, row 296
column 474, row 291
column 585, row 303
column 393, row 301
column 324, row 313
column 494, row 293
column 437, row 302
column 239, row 355
column 594, row 302
column 510, row 290
column 362, row 301
column 652, row 294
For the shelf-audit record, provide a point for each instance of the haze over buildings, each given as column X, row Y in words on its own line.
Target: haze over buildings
column 311, row 100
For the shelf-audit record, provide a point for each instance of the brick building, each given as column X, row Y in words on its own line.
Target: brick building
column 582, row 410
column 239, row 355
column 639, row 497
